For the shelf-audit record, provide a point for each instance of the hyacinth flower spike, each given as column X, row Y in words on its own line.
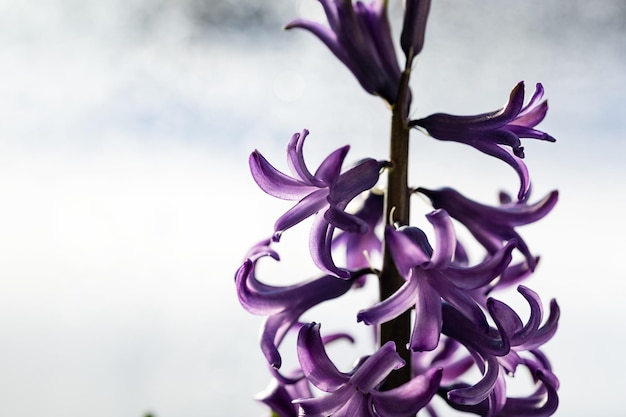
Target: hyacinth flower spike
column 326, row 192
column 492, row 226
column 430, row 277
column 357, row 393
column 493, row 132
column 359, row 35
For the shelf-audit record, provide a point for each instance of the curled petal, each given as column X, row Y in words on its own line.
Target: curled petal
column 446, row 239
column 376, row 367
column 409, row 398
column 315, row 363
column 391, row 307
column 406, row 254
column 295, row 160
column 477, row 276
column 274, row 182
column 479, row 391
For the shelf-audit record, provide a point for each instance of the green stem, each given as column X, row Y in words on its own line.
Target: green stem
column 397, row 208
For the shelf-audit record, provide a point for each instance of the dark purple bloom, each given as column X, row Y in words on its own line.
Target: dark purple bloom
column 282, row 305
column 498, row 351
column 326, row 192
column 431, row 276
column 492, row 132
column 492, row 226
column 414, row 27
column 356, row 393
column 359, row 36
column 542, row 402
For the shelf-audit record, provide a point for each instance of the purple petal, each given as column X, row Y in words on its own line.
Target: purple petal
column 320, row 244
column 516, row 163
column 305, row 208
column 376, row 368
column 315, row 363
column 409, row 398
column 328, row 405
column 470, row 278
column 274, row 182
column 399, row 302
column 295, row 160
column 405, row 253
column 345, row 221
column 479, row 391
column 445, row 237
column 356, row 180
column 428, row 321
column 330, row 168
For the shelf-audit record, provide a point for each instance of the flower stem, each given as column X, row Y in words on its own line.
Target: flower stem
column 397, row 208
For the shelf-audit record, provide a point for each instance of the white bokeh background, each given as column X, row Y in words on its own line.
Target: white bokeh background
column 126, row 203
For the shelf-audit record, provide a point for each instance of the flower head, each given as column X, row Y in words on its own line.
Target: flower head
column 357, row 393
column 492, row 132
column 326, row 192
column 492, row 226
column 431, row 277
column 359, row 35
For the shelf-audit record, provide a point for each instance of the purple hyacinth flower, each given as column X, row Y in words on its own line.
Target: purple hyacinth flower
column 498, row 351
column 282, row 305
column 357, row 393
column 430, row 277
column 327, row 192
column 542, row 402
column 359, row 35
column 360, row 246
column 492, row 132
column 414, row 27
column 492, row 226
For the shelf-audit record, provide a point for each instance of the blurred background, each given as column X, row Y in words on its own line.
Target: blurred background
column 126, row 203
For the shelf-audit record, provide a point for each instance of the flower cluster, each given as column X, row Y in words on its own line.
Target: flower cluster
column 459, row 325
